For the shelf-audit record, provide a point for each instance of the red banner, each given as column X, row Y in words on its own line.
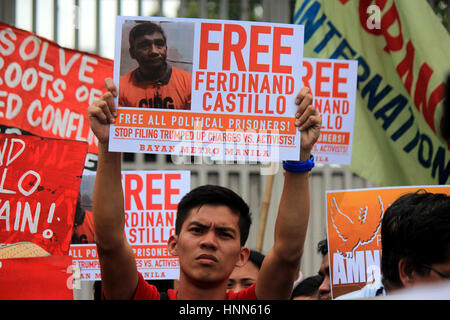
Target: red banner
column 45, row 89
column 48, row 278
column 39, row 185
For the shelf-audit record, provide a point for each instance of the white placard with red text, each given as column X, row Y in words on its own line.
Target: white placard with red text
column 151, row 200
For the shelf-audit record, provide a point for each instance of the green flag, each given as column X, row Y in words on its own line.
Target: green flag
column 403, row 54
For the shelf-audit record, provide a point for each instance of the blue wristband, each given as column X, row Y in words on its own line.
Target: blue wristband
column 299, row 166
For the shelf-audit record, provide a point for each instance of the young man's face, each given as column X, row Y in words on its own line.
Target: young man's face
column 149, row 50
column 208, row 244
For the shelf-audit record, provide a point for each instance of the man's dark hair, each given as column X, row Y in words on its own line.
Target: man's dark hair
column 308, row 287
column 322, row 247
column 144, row 28
column 256, row 258
column 215, row 195
column 416, row 227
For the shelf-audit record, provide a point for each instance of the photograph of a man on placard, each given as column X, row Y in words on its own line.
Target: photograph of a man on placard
column 156, row 64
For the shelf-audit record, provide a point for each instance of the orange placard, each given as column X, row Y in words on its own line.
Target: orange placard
column 354, row 233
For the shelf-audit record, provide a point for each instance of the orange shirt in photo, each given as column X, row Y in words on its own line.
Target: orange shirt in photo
column 175, row 94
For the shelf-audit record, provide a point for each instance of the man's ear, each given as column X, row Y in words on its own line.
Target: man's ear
column 172, row 244
column 243, row 257
column 406, row 272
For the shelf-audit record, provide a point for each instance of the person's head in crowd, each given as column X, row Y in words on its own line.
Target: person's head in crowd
column 243, row 277
column 415, row 237
column 211, row 229
column 324, row 271
column 307, row 289
column 148, row 46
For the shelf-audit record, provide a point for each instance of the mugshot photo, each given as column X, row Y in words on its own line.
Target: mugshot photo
column 156, row 64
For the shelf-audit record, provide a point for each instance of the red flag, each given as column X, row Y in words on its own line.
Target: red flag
column 45, row 89
column 39, row 185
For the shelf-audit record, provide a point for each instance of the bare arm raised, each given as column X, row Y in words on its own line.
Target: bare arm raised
column 117, row 262
column 281, row 264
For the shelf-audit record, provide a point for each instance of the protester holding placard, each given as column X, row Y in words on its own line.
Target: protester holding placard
column 210, row 242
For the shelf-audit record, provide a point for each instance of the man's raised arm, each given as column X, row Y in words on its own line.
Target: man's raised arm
column 281, row 264
column 117, row 263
